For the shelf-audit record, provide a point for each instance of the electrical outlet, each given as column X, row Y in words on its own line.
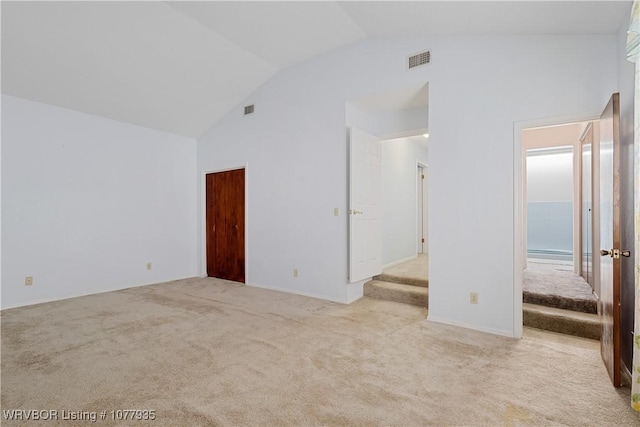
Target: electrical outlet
column 336, row 212
column 28, row 281
column 473, row 297
column 295, row 272
column 148, row 266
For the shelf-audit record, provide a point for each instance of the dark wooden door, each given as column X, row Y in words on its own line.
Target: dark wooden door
column 609, row 301
column 225, row 225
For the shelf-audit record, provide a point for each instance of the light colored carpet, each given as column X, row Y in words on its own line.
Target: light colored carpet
column 414, row 272
column 407, row 294
column 556, row 285
column 208, row 352
column 568, row 322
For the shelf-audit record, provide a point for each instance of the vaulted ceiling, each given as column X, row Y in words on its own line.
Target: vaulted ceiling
column 180, row 67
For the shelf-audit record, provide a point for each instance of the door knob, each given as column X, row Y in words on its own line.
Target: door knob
column 615, row 253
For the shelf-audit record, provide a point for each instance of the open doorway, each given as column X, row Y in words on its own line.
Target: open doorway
column 404, row 207
column 550, row 206
column 600, row 210
column 404, row 202
column 388, row 143
column 558, row 218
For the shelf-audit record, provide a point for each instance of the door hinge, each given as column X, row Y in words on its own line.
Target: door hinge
column 422, row 176
column 423, row 240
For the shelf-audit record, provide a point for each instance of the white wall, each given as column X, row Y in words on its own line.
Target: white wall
column 389, row 124
column 399, row 123
column 551, row 213
column 87, row 202
column 295, row 145
column 550, row 177
column 399, row 198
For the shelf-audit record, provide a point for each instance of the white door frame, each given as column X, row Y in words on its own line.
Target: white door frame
column 202, row 235
column 519, row 229
column 420, row 209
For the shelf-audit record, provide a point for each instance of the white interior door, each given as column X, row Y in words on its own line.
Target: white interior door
column 420, row 213
column 422, row 218
column 365, row 189
column 425, row 210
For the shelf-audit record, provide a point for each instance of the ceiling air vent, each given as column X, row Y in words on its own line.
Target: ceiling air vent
column 419, row 59
column 249, row 109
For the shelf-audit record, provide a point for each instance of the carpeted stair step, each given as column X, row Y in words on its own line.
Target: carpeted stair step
column 568, row 322
column 567, row 303
column 414, row 281
column 408, row 294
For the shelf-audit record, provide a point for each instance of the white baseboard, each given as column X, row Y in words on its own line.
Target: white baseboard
column 296, row 292
column 508, row 334
column 86, row 294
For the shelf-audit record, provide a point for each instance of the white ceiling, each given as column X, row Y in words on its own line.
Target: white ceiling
column 421, row 18
column 280, row 33
column 180, row 67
